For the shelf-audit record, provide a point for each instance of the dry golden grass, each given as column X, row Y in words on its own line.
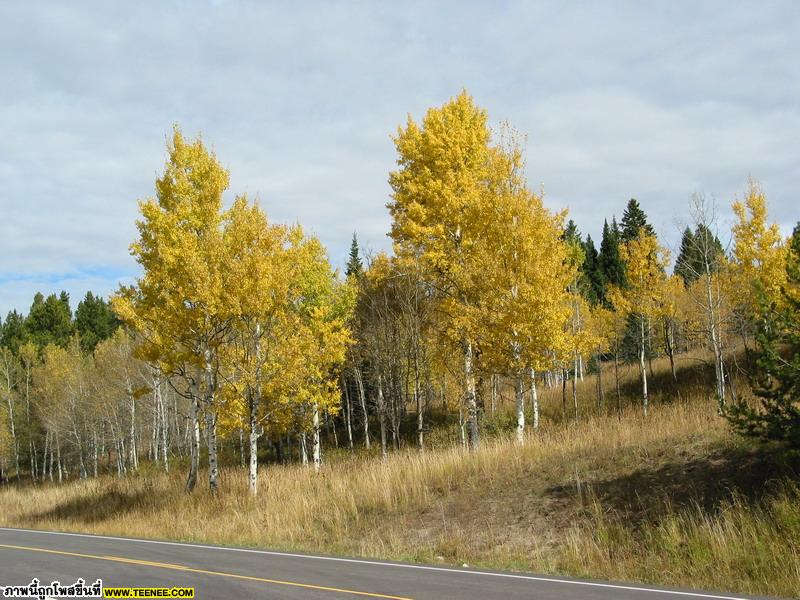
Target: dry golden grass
column 674, row 499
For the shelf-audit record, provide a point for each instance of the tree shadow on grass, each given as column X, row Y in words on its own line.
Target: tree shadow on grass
column 746, row 473
column 96, row 508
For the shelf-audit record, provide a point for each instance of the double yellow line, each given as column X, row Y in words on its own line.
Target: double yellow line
column 159, row 565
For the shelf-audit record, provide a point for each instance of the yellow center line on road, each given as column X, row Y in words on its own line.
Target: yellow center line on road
column 158, row 565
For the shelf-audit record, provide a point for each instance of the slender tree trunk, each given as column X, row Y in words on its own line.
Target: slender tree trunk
column 194, row 454
column 81, row 463
column 470, row 399
column 94, row 452
column 643, row 366
column 649, row 331
column 134, row 457
column 211, row 422
column 348, row 412
column 164, row 428
column 58, row 457
column 44, row 456
column 616, row 380
column 669, row 346
column 32, row 450
column 152, row 452
column 563, row 374
column 716, row 345
column 418, row 401
column 211, row 441
column 382, row 416
column 29, row 425
column 102, row 443
column 14, row 440
column 253, row 438
column 601, row 395
column 519, row 397
column 303, row 449
column 462, row 425
column 534, row 400
column 363, row 399
column 316, row 446
column 575, row 386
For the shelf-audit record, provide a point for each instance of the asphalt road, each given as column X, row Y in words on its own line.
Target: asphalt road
column 221, row 573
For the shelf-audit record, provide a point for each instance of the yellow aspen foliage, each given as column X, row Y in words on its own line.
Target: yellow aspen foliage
column 443, row 210
column 255, row 357
column 645, row 268
column 759, row 255
column 460, row 208
column 181, row 306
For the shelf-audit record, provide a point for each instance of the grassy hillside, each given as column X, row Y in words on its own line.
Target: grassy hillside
column 675, row 499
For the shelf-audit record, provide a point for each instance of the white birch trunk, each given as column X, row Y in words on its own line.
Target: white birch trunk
column 519, row 396
column 164, row 427
column 58, row 456
column 52, row 454
column 211, row 441
column 134, row 458
column 348, row 413
column 253, row 462
column 470, row 399
column 420, row 416
column 44, row 456
column 194, row 444
column 382, row 416
column 534, row 400
column 363, row 399
column 316, row 447
column 14, row 440
column 303, row 449
column 716, row 345
column 94, row 452
column 493, row 384
column 643, row 366
column 574, row 386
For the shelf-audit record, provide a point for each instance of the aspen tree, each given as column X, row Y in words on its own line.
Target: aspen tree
column 709, row 269
column 529, row 318
column 8, row 374
column 447, row 194
column 759, row 255
column 645, row 261
column 257, row 255
column 322, row 310
column 179, row 304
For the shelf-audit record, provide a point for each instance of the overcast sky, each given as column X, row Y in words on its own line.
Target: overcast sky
column 652, row 100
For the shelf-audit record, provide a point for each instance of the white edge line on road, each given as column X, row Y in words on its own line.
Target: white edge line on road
column 383, row 564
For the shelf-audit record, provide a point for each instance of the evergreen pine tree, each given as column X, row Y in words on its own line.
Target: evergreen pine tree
column 685, row 263
column 697, row 248
column 571, row 233
column 587, row 257
column 355, row 268
column 707, row 244
column 610, row 267
column 13, row 334
column 633, row 220
column 595, row 286
column 94, row 321
column 49, row 320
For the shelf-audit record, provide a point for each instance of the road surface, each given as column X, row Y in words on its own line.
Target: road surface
column 218, row 572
